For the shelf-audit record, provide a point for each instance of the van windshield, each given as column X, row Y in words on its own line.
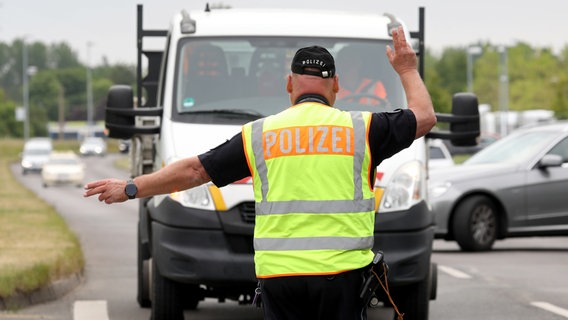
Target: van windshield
column 235, row 80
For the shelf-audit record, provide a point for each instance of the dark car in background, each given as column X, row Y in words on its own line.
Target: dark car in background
column 515, row 187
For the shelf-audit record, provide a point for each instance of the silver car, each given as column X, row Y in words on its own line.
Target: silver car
column 515, row 187
column 93, row 146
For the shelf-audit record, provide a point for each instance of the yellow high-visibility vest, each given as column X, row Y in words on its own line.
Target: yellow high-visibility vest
column 314, row 197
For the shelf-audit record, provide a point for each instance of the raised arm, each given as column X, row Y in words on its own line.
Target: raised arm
column 180, row 175
column 403, row 60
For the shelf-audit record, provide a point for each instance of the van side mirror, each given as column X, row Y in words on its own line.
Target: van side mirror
column 464, row 121
column 120, row 114
column 119, row 98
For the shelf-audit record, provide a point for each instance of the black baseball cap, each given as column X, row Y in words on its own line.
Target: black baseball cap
column 314, row 57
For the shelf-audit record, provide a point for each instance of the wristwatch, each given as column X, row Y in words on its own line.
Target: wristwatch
column 131, row 190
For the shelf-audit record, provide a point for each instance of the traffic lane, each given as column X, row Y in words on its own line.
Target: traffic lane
column 495, row 289
column 108, row 239
column 512, row 281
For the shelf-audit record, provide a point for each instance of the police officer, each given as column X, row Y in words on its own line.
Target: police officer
column 312, row 168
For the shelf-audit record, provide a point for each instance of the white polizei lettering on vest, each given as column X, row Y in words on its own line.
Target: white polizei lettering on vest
column 321, row 141
column 311, row 139
column 285, row 140
column 299, row 148
column 335, row 138
column 270, row 137
column 348, row 140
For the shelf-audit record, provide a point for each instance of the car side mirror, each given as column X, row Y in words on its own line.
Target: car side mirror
column 550, row 160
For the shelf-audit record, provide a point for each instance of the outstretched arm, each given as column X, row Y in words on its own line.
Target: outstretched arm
column 403, row 60
column 180, row 175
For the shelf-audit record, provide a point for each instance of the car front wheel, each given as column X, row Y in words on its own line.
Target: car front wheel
column 475, row 224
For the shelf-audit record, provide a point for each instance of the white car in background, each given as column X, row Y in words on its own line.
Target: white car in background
column 35, row 154
column 63, row 168
column 438, row 155
column 95, row 146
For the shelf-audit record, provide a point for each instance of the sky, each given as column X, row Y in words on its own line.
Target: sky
column 107, row 28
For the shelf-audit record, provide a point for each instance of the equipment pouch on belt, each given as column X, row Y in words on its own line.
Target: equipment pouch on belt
column 374, row 275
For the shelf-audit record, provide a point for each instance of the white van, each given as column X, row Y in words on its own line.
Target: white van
column 35, row 154
column 220, row 69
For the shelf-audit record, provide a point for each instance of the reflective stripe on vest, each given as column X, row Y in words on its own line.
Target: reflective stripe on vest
column 293, row 249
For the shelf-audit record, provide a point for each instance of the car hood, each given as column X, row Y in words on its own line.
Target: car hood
column 36, row 158
column 467, row 173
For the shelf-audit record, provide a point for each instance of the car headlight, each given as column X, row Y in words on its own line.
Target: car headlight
column 439, row 189
column 406, row 187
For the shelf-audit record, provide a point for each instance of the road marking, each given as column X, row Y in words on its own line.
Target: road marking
column 10, row 315
column 90, row 310
column 454, row 272
column 550, row 307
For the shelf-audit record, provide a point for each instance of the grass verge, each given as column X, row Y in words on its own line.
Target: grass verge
column 36, row 245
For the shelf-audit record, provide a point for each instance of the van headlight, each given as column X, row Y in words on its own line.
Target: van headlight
column 198, row 197
column 204, row 197
column 406, row 187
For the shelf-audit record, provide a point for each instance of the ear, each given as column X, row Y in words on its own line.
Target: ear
column 289, row 84
column 336, row 84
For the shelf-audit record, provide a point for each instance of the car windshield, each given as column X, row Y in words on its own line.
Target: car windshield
column 37, row 152
column 436, row 153
column 236, row 80
column 515, row 148
column 63, row 161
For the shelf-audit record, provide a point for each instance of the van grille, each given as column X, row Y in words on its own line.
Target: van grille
column 247, row 212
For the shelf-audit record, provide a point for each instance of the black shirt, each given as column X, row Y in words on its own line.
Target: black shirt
column 389, row 133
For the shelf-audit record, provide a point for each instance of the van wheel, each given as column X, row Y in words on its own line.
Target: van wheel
column 413, row 300
column 166, row 298
column 143, row 275
column 475, row 224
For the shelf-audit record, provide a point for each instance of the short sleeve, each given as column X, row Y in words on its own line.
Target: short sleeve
column 227, row 162
column 391, row 132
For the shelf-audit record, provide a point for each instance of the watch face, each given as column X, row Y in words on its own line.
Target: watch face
column 131, row 190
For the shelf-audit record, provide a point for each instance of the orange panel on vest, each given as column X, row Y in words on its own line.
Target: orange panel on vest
column 303, row 140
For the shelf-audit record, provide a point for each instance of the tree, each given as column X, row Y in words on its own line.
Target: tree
column 62, row 56
column 9, row 126
column 441, row 97
column 452, row 69
column 560, row 104
column 532, row 74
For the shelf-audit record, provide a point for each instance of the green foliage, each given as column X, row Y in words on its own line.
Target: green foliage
column 560, row 106
column 441, row 98
column 58, row 85
column 9, row 126
column 452, row 68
